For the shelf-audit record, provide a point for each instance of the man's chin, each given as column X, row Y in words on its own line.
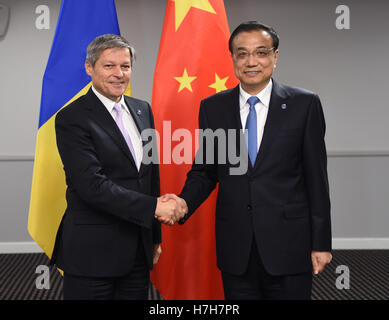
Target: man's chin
column 117, row 93
column 253, row 81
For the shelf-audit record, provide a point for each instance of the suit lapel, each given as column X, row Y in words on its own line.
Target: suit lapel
column 100, row 113
column 136, row 114
column 275, row 119
column 236, row 124
column 139, row 119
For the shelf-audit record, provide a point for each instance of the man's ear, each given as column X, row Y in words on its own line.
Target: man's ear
column 276, row 56
column 88, row 68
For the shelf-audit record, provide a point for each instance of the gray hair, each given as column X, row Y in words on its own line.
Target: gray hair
column 107, row 41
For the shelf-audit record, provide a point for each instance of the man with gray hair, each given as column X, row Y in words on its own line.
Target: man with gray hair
column 109, row 238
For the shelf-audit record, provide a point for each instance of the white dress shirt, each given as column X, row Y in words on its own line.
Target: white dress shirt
column 129, row 124
column 262, row 108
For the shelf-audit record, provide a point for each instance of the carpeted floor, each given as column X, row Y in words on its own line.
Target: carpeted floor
column 364, row 272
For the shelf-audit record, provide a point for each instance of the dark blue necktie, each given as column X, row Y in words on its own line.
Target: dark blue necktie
column 251, row 127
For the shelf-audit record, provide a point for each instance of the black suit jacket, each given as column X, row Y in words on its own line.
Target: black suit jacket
column 110, row 205
column 283, row 201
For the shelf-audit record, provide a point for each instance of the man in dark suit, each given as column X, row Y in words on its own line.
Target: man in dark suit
column 272, row 222
column 109, row 238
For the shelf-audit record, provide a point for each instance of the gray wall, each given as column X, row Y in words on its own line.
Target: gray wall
column 348, row 68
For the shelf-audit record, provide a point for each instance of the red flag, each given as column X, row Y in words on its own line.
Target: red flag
column 193, row 63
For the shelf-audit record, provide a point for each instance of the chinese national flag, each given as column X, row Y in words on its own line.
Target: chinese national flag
column 193, row 63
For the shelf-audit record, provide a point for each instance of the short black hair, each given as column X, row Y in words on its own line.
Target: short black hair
column 250, row 26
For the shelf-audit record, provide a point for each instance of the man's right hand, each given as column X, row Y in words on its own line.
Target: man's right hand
column 170, row 209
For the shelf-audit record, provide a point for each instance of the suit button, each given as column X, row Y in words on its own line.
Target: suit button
column 249, row 207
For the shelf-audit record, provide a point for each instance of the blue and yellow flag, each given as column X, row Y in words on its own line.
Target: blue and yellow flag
column 64, row 80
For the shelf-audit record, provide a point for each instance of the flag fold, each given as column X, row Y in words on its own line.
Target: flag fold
column 64, row 80
column 193, row 63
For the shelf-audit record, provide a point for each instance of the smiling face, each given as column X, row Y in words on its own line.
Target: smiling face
column 251, row 64
column 111, row 72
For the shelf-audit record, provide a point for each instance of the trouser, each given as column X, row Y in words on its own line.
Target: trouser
column 257, row 284
column 132, row 286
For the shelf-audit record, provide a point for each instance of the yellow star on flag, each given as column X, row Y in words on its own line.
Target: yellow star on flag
column 185, row 81
column 182, row 8
column 220, row 84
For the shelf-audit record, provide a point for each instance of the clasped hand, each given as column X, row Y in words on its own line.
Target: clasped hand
column 170, row 209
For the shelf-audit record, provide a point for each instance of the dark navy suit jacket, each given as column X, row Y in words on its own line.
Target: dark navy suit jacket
column 282, row 202
column 110, row 204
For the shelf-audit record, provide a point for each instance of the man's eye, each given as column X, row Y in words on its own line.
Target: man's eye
column 242, row 54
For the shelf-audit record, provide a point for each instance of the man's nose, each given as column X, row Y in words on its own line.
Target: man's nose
column 252, row 60
column 117, row 71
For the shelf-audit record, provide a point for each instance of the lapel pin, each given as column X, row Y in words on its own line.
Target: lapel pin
column 283, row 106
column 138, row 112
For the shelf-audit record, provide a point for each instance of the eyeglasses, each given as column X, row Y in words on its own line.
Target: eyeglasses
column 259, row 53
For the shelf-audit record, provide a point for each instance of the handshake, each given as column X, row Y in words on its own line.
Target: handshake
column 170, row 209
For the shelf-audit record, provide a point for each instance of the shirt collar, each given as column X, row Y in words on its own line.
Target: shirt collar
column 108, row 103
column 263, row 96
